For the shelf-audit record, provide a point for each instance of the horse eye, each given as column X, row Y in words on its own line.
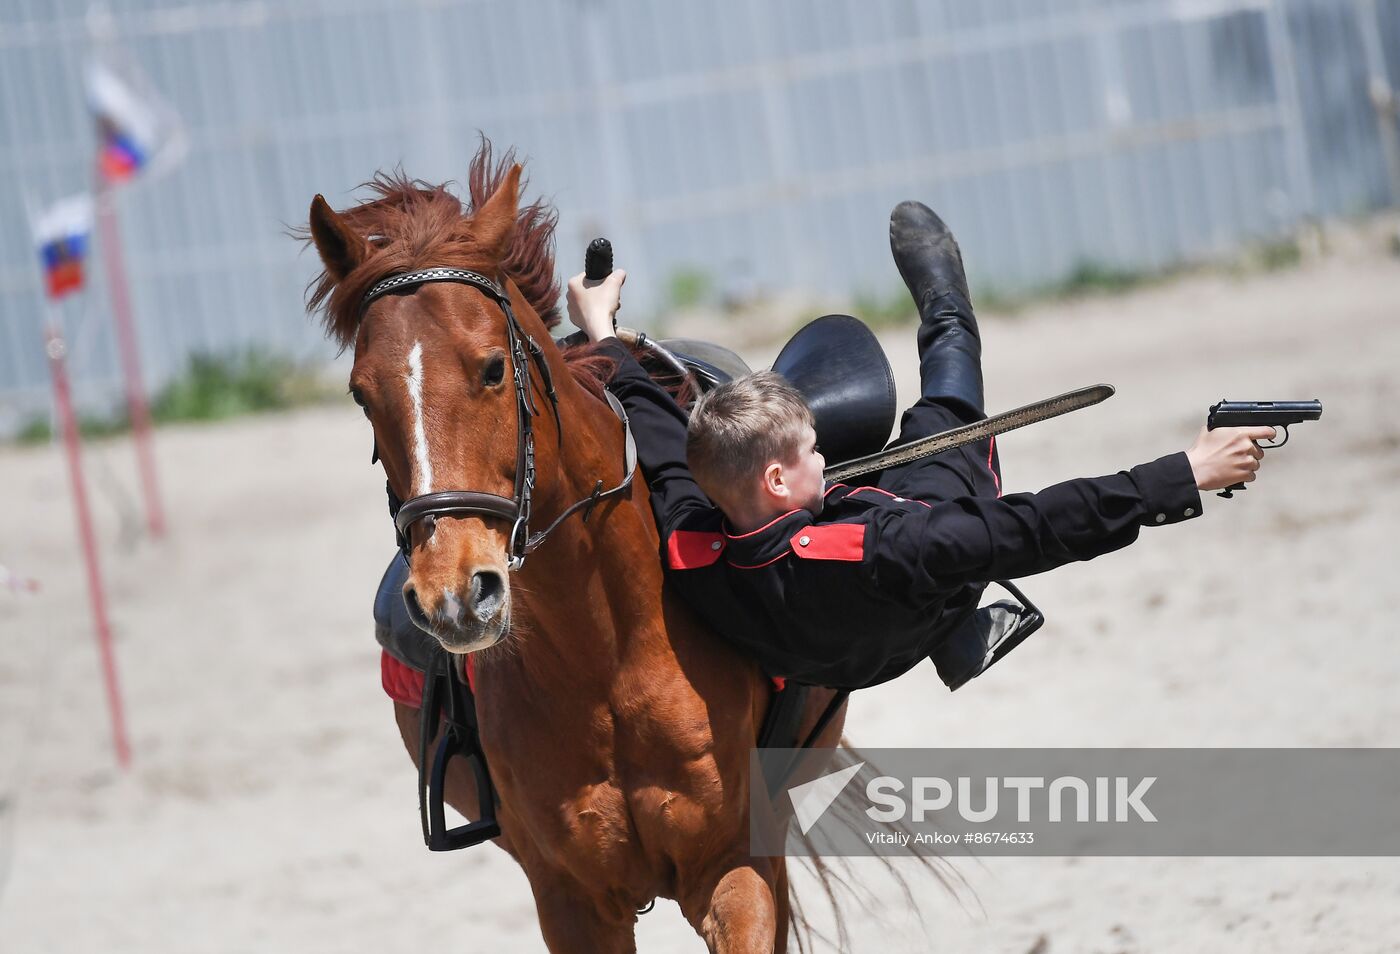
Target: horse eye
column 359, row 398
column 495, row 371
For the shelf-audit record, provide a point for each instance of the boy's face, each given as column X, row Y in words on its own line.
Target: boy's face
column 803, row 474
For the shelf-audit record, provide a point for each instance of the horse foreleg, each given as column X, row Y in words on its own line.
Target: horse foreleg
column 572, row 922
column 739, row 915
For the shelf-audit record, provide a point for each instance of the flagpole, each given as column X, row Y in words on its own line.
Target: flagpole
column 56, row 349
column 114, row 264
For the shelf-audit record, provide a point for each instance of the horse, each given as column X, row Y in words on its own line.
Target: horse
column 617, row 726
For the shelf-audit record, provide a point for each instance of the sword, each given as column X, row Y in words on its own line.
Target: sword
column 958, row 436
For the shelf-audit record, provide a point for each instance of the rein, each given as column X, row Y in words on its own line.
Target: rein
column 517, row 508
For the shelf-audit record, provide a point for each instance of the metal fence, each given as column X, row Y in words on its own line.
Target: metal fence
column 760, row 142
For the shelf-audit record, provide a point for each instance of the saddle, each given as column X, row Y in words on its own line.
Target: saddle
column 837, row 364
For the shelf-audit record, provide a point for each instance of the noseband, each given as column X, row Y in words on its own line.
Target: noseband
column 514, row 509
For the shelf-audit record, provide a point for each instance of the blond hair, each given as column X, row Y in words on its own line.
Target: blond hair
column 739, row 428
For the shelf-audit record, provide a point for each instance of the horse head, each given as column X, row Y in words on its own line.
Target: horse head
column 435, row 366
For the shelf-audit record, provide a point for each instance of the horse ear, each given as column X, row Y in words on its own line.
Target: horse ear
column 494, row 222
column 340, row 247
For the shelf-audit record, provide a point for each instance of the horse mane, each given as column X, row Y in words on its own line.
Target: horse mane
column 411, row 224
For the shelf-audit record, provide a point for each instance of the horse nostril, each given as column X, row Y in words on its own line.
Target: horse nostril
column 488, row 590
column 415, row 609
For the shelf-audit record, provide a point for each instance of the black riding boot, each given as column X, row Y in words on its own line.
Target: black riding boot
column 950, row 371
column 950, row 349
column 985, row 637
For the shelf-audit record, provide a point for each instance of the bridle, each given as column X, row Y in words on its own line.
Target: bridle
column 516, row 508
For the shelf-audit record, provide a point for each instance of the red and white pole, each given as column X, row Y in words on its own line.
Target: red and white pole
column 56, row 349
column 137, row 408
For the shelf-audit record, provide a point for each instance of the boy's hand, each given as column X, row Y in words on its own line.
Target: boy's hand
column 592, row 304
column 1227, row 456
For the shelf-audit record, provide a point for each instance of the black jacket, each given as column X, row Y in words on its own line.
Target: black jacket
column 861, row 592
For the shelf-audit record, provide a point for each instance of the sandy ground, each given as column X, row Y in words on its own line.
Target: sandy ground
column 271, row 806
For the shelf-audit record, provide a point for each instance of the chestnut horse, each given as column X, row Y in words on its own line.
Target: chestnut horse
column 617, row 727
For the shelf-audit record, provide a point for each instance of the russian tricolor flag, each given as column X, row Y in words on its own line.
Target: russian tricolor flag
column 120, row 156
column 62, row 233
column 133, row 125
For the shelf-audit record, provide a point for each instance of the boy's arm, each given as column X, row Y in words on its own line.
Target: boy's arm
column 981, row 539
column 658, row 423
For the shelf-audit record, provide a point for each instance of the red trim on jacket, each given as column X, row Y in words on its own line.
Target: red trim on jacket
column 834, row 541
column 756, row 566
column 692, row 549
column 896, row 497
column 740, row 536
column 991, row 450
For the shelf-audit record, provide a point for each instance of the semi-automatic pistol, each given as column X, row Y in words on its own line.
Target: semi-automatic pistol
column 1261, row 413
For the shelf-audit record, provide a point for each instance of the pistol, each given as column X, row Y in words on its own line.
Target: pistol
column 1266, row 413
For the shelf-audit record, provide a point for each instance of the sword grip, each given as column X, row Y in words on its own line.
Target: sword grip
column 598, row 260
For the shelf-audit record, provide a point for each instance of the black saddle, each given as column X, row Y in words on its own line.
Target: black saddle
column 840, row 368
column 837, row 364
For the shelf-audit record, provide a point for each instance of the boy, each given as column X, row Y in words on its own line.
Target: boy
column 845, row 586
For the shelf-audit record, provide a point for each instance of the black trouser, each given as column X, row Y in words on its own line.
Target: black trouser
column 950, row 374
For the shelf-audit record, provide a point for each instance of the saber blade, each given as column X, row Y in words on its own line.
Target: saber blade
column 958, row 436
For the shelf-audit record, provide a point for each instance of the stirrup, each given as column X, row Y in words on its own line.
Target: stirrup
column 459, row 738
column 1004, row 625
column 1028, row 620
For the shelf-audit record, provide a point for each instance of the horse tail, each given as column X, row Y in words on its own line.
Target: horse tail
column 839, row 887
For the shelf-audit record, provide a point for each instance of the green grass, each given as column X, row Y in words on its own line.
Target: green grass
column 895, row 307
column 215, row 387
column 39, row 430
column 1090, row 277
column 36, row 430
column 689, row 288
column 884, row 311
column 1273, row 256
column 987, row 297
column 211, row 388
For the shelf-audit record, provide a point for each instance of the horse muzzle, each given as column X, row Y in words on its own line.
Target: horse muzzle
column 462, row 621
